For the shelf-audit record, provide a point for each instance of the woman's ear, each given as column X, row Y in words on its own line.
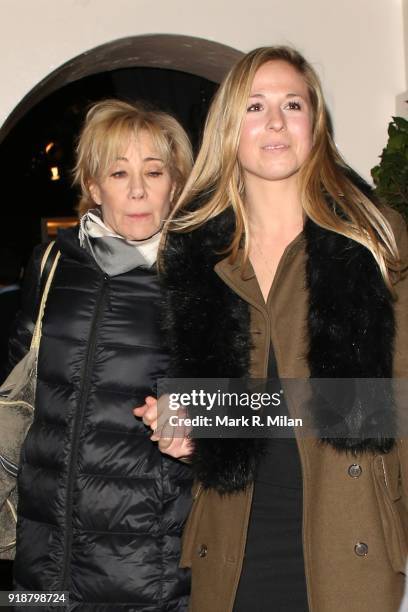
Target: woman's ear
column 95, row 192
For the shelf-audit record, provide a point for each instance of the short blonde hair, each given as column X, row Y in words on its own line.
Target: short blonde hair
column 108, row 127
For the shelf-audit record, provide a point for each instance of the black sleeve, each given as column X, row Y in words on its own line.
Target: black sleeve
column 24, row 323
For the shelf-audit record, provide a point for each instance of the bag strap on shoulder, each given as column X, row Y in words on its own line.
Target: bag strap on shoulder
column 48, row 266
column 47, row 260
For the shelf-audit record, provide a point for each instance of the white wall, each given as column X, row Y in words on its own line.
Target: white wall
column 356, row 45
column 402, row 99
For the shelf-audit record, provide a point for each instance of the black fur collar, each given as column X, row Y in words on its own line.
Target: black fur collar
column 350, row 324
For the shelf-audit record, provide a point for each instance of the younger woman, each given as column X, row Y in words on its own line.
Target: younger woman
column 276, row 262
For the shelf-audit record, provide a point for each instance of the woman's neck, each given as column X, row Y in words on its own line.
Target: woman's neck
column 275, row 218
column 274, row 208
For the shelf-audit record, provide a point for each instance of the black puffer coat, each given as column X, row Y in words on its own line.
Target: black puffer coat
column 101, row 510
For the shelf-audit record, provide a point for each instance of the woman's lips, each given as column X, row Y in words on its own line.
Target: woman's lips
column 139, row 215
column 275, row 147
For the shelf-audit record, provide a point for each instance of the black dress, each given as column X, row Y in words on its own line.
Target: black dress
column 273, row 577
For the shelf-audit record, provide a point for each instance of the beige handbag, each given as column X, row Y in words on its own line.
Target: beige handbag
column 17, row 398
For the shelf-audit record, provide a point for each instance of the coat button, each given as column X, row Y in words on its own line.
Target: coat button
column 361, row 549
column 202, row 551
column 355, row 470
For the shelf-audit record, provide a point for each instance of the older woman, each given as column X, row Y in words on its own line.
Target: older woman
column 297, row 273
column 100, row 509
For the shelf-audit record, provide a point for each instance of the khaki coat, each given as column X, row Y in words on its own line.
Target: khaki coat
column 355, row 507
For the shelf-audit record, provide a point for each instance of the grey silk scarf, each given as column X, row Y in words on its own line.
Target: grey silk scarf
column 113, row 253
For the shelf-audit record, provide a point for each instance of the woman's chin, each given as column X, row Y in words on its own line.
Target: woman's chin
column 142, row 234
column 140, row 228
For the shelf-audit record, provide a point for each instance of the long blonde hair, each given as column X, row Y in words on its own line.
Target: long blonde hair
column 108, row 127
column 216, row 176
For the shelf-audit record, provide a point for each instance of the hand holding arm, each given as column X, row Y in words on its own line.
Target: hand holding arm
column 172, row 440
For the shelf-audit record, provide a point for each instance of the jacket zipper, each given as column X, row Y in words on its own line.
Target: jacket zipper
column 83, row 397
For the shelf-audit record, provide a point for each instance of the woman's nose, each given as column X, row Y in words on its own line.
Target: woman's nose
column 276, row 120
column 136, row 189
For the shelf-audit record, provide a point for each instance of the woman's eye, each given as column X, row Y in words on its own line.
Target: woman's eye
column 254, row 107
column 118, row 174
column 155, row 173
column 293, row 105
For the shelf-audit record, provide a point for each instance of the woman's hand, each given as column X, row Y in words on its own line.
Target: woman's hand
column 172, row 440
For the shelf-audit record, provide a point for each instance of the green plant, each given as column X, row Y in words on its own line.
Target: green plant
column 391, row 174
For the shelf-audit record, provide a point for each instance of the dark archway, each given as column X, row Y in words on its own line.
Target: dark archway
column 178, row 74
column 197, row 56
